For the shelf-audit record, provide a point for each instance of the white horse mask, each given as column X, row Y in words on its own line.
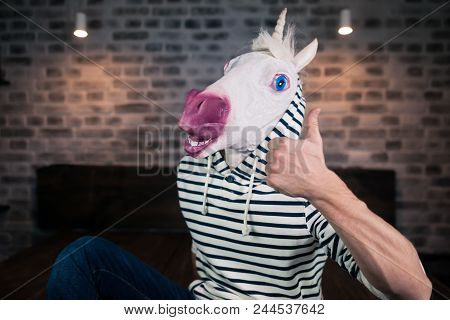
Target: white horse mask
column 237, row 111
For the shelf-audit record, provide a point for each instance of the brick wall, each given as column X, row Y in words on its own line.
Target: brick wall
column 390, row 111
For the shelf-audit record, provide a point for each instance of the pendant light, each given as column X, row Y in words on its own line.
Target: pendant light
column 80, row 25
column 345, row 23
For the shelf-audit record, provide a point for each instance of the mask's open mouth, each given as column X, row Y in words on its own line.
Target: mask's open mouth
column 194, row 145
column 202, row 136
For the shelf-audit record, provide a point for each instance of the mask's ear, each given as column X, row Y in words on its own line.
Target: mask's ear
column 304, row 57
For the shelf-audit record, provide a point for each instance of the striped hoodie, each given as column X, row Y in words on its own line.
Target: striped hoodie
column 250, row 241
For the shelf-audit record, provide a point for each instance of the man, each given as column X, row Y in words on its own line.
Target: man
column 93, row 268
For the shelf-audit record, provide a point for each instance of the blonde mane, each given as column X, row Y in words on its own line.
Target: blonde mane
column 283, row 50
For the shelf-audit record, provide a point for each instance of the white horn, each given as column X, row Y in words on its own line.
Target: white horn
column 278, row 32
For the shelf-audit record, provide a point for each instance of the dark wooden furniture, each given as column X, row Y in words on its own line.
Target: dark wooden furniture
column 96, row 197
column 75, row 200
column 3, row 209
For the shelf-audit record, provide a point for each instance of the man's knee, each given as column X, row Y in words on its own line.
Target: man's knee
column 78, row 248
column 82, row 253
column 73, row 267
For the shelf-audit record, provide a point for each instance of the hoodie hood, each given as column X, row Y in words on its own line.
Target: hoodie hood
column 252, row 170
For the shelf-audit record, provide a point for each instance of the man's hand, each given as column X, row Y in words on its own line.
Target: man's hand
column 296, row 167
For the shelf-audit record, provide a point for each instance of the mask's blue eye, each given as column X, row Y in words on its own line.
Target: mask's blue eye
column 280, row 82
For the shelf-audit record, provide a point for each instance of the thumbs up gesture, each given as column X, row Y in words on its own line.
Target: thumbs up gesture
column 297, row 167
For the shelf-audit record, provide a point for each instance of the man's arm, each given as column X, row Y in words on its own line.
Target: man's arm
column 387, row 259
column 331, row 243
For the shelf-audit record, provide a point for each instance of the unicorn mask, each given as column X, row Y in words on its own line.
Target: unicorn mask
column 237, row 111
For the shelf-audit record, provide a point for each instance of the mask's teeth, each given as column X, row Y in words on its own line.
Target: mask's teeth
column 197, row 143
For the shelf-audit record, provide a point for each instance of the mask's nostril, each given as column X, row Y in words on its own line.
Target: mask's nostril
column 199, row 105
column 202, row 110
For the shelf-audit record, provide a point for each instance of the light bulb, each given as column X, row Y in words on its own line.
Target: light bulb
column 345, row 30
column 80, row 33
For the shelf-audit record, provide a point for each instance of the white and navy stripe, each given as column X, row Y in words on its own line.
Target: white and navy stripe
column 289, row 240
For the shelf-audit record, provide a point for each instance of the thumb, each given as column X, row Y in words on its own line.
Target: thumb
column 312, row 126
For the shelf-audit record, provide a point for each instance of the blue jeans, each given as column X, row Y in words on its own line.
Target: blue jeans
column 95, row 268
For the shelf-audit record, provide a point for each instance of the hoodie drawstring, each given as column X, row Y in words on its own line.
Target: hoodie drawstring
column 205, row 193
column 245, row 231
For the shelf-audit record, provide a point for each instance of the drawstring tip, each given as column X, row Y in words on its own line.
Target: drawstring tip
column 245, row 231
column 205, row 194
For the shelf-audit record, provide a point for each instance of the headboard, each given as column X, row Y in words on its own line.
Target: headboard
column 95, row 197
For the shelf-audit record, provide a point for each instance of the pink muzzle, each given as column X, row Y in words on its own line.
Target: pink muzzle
column 203, row 119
